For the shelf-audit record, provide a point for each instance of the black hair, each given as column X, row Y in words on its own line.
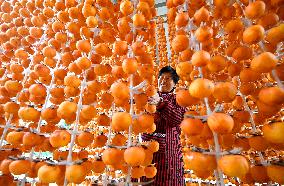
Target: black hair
column 169, row 69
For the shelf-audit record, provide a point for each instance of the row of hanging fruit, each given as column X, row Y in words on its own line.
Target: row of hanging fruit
column 68, row 71
column 229, row 55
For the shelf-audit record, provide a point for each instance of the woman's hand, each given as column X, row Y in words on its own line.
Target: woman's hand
column 155, row 100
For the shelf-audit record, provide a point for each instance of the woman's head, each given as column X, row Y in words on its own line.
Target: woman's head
column 168, row 78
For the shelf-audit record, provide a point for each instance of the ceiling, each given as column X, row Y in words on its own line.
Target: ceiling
column 161, row 7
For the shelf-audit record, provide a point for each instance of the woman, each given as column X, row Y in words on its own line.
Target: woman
column 167, row 118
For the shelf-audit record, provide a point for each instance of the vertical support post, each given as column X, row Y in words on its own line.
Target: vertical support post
column 75, row 129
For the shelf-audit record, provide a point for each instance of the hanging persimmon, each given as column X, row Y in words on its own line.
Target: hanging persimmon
column 220, row 123
column 134, row 156
column 121, row 121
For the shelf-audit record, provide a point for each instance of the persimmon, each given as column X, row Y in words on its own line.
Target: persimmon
column 104, row 13
column 118, row 72
column 184, row 98
column 119, row 90
column 19, row 167
column 121, row 121
column 123, row 26
column 100, row 140
column 253, row 34
column 227, row 141
column 38, row 90
column 268, row 20
column 271, row 95
column 181, row 19
column 139, row 20
column 224, row 92
column 29, row 114
column 83, row 154
column 248, row 75
column 199, row 162
column 242, row 53
column 145, row 120
column 259, row 173
column 220, row 123
column 92, row 21
column 15, row 138
column 148, row 157
column 234, row 26
column 84, row 139
column 203, row 33
column 88, row 112
column 49, row 52
column 129, row 65
column 4, row 166
column 98, row 166
column 88, row 10
column 66, row 109
column 201, row 15
column 185, row 55
column 276, row 173
column 119, row 140
column 272, row 132
column 180, row 43
column 241, row 116
column 137, row 172
column 201, row 88
column 264, row 62
column 139, row 48
column 150, row 171
column 57, row 92
column 83, row 63
column 103, row 50
column 126, row 7
column 217, row 63
column 120, row 48
column 107, row 35
column 75, row 174
column 83, row 46
column 112, row 156
column 267, row 110
column 191, row 127
column 134, row 156
column 200, row 58
column 13, row 86
column 206, row 133
column 258, row 143
column 255, row 10
column 103, row 120
column 6, row 179
column 73, row 67
column 153, row 146
column 184, row 69
column 275, row 34
column 31, row 139
column 48, row 173
column 234, row 165
column 16, row 68
column 140, row 100
column 60, row 138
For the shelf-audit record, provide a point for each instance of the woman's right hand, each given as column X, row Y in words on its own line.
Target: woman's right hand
column 155, row 100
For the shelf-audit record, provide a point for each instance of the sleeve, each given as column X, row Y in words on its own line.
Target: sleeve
column 172, row 112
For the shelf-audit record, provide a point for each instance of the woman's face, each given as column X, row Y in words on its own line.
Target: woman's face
column 165, row 82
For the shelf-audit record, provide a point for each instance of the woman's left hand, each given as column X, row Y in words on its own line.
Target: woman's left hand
column 154, row 100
